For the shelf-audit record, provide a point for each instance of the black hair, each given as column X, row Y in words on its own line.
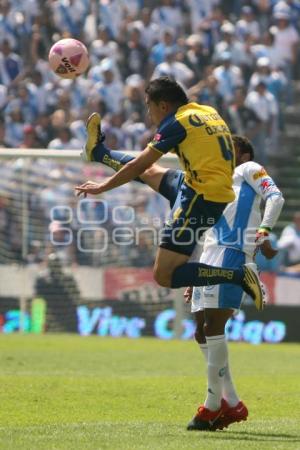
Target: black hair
column 166, row 89
column 244, row 145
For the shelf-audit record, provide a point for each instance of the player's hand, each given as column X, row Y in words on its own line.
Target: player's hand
column 188, row 294
column 267, row 250
column 262, row 235
column 90, row 187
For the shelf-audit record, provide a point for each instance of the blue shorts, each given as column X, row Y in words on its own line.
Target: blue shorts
column 221, row 295
column 190, row 217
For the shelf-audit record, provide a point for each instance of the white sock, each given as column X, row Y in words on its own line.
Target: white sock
column 228, row 391
column 216, row 365
column 204, row 350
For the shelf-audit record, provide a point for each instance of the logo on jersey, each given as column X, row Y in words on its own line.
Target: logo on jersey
column 261, row 173
column 196, row 120
column 209, row 288
column 267, row 185
column 196, row 294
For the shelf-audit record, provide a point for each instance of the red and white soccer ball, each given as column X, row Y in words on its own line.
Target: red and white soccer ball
column 68, row 58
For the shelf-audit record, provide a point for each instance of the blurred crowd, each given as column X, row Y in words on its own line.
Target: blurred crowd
column 239, row 56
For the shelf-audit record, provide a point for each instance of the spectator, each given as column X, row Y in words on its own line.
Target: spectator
column 293, row 8
column 264, row 105
column 199, row 11
column 44, row 129
column 207, row 92
column 10, row 64
column 276, row 83
column 111, row 13
column 231, row 45
column 229, row 77
column 289, row 243
column 14, row 125
column 149, row 30
column 241, row 119
column 95, row 74
column 133, row 97
column 114, row 125
column 30, row 139
column 290, row 7
column 25, row 102
column 39, row 92
column 167, row 43
column 286, row 46
column 131, row 8
column 69, row 16
column 79, row 90
column 64, row 140
column 247, row 25
column 134, row 129
column 61, row 293
column 168, row 16
column 110, row 90
column 103, row 46
column 133, row 53
column 266, row 48
column 78, row 127
column 274, row 78
column 197, row 56
column 263, row 9
column 174, row 69
column 8, row 25
column 211, row 27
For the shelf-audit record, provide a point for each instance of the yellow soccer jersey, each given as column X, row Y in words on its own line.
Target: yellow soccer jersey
column 202, row 141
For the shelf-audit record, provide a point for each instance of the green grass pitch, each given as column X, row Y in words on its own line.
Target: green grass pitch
column 70, row 392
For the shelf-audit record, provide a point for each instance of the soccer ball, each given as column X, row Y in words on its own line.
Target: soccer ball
column 68, row 58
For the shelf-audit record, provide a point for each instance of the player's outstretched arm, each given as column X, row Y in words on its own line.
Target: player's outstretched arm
column 257, row 177
column 128, row 173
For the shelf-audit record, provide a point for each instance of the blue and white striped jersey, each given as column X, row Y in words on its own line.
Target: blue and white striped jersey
column 241, row 218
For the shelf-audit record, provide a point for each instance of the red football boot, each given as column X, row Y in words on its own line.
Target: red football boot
column 232, row 414
column 206, row 420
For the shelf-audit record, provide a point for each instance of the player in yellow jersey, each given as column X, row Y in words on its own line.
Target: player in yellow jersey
column 202, row 141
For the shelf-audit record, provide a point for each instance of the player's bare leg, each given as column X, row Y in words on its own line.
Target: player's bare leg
column 153, row 176
column 199, row 332
column 165, row 263
column 215, row 321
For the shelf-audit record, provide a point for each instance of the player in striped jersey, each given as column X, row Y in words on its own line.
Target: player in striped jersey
column 233, row 240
